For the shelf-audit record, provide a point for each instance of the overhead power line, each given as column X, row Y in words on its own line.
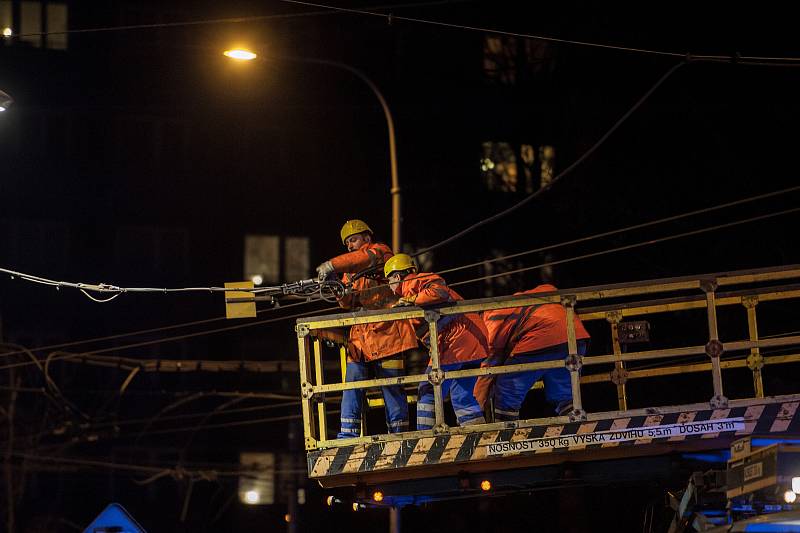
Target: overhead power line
column 169, row 339
column 626, row 229
column 304, row 287
column 561, row 174
column 104, row 288
column 392, row 17
column 146, row 331
column 176, row 472
column 228, row 20
column 373, row 11
column 474, row 280
column 595, row 236
column 633, row 246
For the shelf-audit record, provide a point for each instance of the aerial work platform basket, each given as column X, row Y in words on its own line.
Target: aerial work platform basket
column 706, row 327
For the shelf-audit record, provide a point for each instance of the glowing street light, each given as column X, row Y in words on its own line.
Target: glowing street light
column 240, row 54
column 7, row 32
column 252, row 497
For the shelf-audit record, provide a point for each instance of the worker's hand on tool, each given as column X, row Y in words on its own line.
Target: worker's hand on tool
column 324, row 270
column 405, row 301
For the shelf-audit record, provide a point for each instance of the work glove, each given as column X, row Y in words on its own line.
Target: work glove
column 405, row 301
column 325, row 270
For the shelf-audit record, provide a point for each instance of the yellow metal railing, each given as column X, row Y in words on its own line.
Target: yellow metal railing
column 615, row 302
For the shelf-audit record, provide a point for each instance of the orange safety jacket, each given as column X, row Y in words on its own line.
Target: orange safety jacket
column 521, row 330
column 377, row 340
column 529, row 329
column 462, row 338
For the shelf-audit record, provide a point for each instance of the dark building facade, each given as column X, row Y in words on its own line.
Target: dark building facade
column 142, row 157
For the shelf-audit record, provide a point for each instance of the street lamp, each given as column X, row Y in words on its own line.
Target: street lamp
column 241, row 54
column 5, row 101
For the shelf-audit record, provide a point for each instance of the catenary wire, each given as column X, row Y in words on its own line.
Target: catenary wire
column 631, row 246
column 328, row 9
column 88, row 427
column 625, row 229
column 561, row 174
column 173, row 418
column 176, row 338
column 303, row 285
column 474, row 280
column 390, row 17
column 454, row 269
column 147, row 331
column 228, row 20
column 104, row 288
column 76, row 461
column 116, row 290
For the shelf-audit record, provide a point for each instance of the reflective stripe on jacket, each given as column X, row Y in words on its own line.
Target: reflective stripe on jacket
column 462, row 338
column 370, row 342
column 529, row 329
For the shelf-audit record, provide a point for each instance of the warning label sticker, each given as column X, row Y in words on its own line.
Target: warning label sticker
column 617, row 435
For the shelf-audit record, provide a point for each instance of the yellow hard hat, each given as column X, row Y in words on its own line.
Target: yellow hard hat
column 351, row 227
column 398, row 263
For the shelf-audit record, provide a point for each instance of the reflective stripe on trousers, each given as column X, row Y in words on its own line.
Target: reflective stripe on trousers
column 394, row 397
column 460, row 390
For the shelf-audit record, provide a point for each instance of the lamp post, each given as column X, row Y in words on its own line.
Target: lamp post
column 246, row 55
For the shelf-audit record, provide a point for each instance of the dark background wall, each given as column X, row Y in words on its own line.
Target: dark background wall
column 144, row 157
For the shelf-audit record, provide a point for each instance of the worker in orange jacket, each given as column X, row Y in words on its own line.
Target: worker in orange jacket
column 461, row 340
column 376, row 349
column 525, row 335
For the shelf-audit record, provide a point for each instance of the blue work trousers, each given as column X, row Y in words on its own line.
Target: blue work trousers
column 510, row 389
column 394, row 397
column 460, row 390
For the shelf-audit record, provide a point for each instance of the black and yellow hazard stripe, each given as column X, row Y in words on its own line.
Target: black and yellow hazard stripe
column 764, row 418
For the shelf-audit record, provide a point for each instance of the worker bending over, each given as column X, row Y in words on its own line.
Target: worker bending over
column 525, row 335
column 461, row 340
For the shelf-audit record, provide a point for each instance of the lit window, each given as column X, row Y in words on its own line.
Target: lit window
column 297, row 258
column 500, row 59
column 38, row 26
column 257, row 481
column 511, row 61
column 527, row 154
column 262, row 257
column 31, row 23
column 6, row 24
column 505, row 169
column 56, row 25
column 499, row 167
column 547, row 155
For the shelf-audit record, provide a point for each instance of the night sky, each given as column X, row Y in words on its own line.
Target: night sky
column 138, row 155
